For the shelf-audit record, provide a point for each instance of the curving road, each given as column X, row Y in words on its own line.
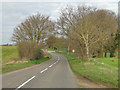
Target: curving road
column 54, row 73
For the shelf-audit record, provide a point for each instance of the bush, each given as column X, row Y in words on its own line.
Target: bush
column 29, row 50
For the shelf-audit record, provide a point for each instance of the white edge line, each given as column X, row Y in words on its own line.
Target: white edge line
column 25, row 83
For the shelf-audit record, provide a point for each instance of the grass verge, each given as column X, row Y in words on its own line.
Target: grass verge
column 9, row 53
column 100, row 70
column 16, row 66
column 50, row 49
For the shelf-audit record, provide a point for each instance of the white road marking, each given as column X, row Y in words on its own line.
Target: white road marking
column 55, row 63
column 35, row 76
column 25, row 83
column 44, row 70
column 58, row 58
column 51, row 65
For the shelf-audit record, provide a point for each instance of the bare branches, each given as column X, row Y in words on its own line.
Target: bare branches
column 87, row 26
column 35, row 28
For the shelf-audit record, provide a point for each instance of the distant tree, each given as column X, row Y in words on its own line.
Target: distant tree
column 55, row 42
column 51, row 41
column 60, row 42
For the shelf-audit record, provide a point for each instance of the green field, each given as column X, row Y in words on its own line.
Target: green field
column 100, row 70
column 10, row 53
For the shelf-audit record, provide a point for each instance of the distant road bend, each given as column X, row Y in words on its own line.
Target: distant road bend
column 54, row 73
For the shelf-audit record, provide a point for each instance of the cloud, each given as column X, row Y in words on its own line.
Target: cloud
column 13, row 13
column 60, row 0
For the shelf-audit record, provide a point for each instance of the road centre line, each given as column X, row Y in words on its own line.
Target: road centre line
column 58, row 58
column 51, row 65
column 55, row 63
column 44, row 70
column 35, row 76
column 25, row 83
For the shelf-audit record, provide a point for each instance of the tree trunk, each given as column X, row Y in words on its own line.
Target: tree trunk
column 83, row 57
column 87, row 53
column 68, row 48
column 93, row 55
column 105, row 54
column 99, row 53
column 111, row 54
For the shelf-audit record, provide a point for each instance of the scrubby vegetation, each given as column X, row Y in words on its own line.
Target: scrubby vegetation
column 30, row 50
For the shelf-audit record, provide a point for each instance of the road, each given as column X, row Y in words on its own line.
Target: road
column 54, row 73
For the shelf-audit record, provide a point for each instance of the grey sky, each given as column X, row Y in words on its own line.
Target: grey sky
column 15, row 12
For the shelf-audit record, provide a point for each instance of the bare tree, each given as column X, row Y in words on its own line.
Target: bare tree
column 76, row 25
column 35, row 28
column 86, row 31
column 51, row 41
column 107, row 25
column 66, row 23
column 84, row 27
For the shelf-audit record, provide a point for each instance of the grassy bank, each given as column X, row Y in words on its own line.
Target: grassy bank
column 100, row 70
column 16, row 66
column 9, row 53
column 10, row 61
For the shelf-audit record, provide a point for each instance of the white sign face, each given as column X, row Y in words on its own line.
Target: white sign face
column 73, row 50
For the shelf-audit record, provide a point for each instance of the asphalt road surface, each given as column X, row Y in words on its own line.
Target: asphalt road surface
column 54, row 73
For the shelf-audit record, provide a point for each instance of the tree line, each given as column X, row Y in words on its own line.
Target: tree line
column 90, row 31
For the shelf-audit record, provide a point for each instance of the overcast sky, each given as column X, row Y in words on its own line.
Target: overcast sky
column 15, row 12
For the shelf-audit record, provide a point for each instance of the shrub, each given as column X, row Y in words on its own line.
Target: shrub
column 29, row 50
